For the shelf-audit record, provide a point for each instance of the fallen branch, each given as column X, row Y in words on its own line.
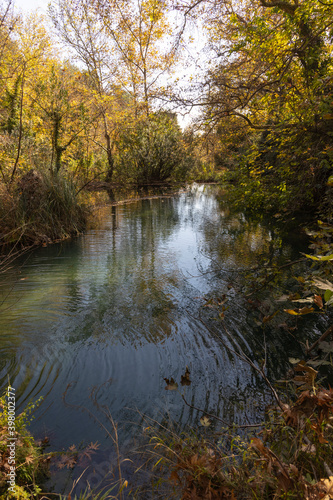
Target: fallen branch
column 323, row 337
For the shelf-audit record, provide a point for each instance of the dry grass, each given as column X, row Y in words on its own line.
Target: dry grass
column 39, row 210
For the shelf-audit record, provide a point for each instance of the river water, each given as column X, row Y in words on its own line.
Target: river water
column 98, row 322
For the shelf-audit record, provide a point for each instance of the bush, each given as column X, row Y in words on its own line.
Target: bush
column 287, row 456
column 287, row 172
column 152, row 150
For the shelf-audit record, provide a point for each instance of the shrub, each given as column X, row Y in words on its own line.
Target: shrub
column 152, row 150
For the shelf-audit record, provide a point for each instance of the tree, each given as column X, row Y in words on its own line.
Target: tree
column 81, row 31
column 120, row 45
column 142, row 39
column 152, row 149
column 7, row 24
column 26, row 51
column 272, row 73
column 59, row 101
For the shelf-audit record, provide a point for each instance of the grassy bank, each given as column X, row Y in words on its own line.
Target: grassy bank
column 39, row 209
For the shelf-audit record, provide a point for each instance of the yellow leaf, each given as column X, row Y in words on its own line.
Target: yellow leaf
column 299, row 312
column 204, row 420
column 328, row 484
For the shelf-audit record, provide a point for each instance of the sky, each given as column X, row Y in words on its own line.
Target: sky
column 27, row 5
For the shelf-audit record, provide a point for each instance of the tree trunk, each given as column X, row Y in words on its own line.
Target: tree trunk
column 109, row 173
column 58, row 150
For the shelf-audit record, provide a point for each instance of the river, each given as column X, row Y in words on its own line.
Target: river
column 99, row 322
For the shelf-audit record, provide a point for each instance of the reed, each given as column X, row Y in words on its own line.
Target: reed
column 40, row 209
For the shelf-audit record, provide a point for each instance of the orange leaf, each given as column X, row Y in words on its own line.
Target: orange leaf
column 266, row 319
column 318, row 301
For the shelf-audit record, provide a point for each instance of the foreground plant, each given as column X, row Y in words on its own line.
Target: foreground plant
column 31, row 465
column 289, row 455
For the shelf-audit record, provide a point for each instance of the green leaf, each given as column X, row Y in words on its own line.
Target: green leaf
column 319, row 257
column 328, row 295
column 330, row 301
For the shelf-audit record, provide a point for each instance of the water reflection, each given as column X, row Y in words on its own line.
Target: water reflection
column 117, row 310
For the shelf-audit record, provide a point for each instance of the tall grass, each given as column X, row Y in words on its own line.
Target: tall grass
column 40, row 209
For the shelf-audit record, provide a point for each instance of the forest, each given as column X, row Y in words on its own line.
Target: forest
column 92, row 92
column 132, row 95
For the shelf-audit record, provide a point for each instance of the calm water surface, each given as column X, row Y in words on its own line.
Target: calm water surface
column 107, row 316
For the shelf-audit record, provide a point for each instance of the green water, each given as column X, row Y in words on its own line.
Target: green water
column 105, row 317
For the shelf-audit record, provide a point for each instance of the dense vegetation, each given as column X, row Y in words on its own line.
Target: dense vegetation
column 95, row 115
column 268, row 98
column 107, row 110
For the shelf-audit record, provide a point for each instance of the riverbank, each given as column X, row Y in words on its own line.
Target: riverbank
column 41, row 210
